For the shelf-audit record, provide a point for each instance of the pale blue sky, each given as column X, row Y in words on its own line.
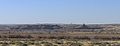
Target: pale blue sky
column 59, row 11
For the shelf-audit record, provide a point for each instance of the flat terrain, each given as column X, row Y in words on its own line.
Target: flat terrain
column 60, row 35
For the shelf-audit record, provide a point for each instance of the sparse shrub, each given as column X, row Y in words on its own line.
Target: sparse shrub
column 76, row 44
column 4, row 44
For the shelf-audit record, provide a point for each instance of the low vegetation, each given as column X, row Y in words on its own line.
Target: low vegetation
column 60, row 35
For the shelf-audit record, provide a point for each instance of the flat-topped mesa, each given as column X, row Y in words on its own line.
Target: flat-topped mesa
column 40, row 26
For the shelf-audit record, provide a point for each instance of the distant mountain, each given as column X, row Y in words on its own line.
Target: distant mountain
column 62, row 27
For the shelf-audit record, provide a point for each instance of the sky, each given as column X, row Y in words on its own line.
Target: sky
column 59, row 11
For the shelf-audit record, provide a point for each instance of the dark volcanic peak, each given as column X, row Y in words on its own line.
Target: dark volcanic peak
column 89, row 27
